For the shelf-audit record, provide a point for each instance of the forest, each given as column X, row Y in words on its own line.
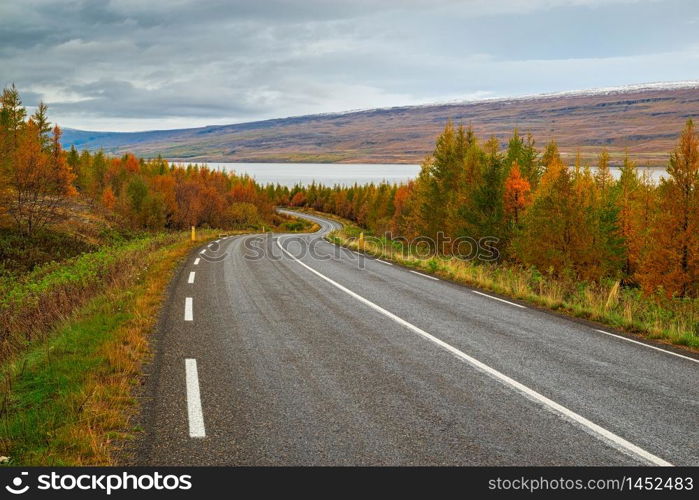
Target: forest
column 39, row 179
column 52, row 200
column 562, row 221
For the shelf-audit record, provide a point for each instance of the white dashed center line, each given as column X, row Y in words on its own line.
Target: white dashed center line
column 188, row 315
column 196, row 417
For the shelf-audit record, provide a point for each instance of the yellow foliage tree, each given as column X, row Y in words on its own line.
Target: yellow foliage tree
column 672, row 261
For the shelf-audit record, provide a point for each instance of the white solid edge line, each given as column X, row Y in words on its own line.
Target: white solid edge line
column 425, row 275
column 188, row 315
column 498, row 298
column 647, row 345
column 196, row 417
column 616, row 441
column 196, row 261
column 384, row 262
column 191, row 277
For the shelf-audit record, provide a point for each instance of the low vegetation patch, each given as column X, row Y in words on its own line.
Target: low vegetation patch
column 20, row 253
column 31, row 304
column 68, row 389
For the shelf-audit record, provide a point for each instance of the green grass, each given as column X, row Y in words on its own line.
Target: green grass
column 673, row 321
column 67, row 392
column 79, row 271
column 30, row 305
column 299, row 225
column 47, row 387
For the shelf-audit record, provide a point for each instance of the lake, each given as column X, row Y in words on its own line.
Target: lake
column 289, row 174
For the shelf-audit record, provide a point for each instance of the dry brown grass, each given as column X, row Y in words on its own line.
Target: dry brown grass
column 69, row 393
column 108, row 395
column 31, row 307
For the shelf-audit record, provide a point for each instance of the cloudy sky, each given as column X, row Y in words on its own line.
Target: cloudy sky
column 144, row 64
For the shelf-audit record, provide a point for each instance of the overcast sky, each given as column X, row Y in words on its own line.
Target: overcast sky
column 144, row 64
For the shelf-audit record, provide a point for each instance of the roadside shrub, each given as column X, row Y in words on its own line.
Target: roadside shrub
column 294, row 226
column 30, row 306
column 20, row 253
column 241, row 215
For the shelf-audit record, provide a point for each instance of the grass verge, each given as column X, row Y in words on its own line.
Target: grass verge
column 67, row 395
column 673, row 321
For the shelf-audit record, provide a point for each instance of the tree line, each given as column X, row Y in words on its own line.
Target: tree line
column 39, row 181
column 564, row 221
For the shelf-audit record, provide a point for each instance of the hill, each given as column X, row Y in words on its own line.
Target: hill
column 642, row 119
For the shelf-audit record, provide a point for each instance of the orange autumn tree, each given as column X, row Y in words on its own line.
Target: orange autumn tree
column 516, row 196
column 673, row 260
column 340, row 203
column 108, row 198
column 299, row 199
column 603, row 176
column 403, row 203
column 213, row 205
column 642, row 220
column 189, row 204
column 165, row 185
column 40, row 179
column 546, row 235
column 561, row 231
column 130, row 163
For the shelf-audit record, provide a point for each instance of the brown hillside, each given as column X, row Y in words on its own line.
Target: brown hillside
column 644, row 121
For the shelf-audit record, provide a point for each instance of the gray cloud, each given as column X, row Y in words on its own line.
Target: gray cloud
column 130, row 64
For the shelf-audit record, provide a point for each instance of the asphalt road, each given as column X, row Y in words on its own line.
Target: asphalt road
column 323, row 357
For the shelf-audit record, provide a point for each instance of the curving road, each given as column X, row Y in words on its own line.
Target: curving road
column 287, row 350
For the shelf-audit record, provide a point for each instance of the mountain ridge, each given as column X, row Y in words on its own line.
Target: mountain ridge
column 643, row 119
